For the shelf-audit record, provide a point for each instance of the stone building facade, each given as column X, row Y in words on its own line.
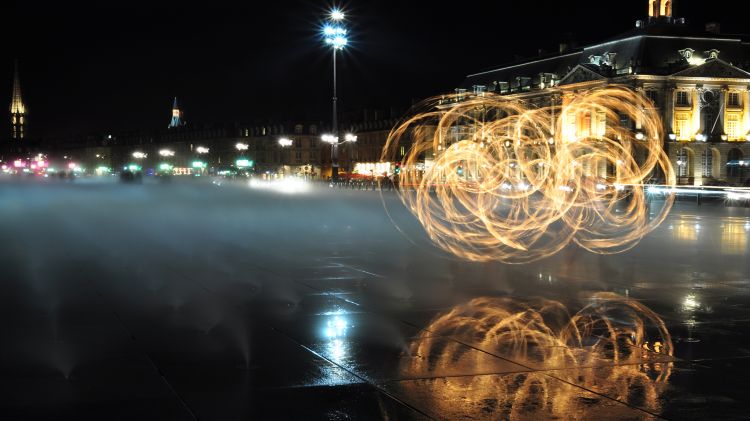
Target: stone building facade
column 698, row 80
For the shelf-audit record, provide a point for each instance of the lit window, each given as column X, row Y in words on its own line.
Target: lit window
column 402, row 150
column 682, row 126
column 733, row 126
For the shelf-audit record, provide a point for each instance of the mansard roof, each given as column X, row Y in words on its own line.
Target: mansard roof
column 715, row 68
column 653, row 49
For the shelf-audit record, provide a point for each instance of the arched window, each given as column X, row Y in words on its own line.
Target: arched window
column 734, row 163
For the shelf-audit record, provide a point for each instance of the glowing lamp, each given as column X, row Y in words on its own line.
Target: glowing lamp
column 284, row 142
column 166, row 152
column 199, row 164
column 329, row 138
column 72, row 165
column 639, row 136
column 700, row 137
column 201, row 150
column 337, row 15
column 724, row 137
column 19, row 163
column 350, row 138
column 139, row 155
column 672, row 136
column 241, row 146
column 165, row 167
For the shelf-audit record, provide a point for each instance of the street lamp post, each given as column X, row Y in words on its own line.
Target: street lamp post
column 284, row 143
column 334, row 34
column 333, row 140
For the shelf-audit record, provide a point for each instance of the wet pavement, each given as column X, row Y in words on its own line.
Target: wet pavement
column 197, row 301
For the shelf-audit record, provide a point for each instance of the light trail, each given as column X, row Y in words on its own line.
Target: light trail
column 614, row 346
column 515, row 182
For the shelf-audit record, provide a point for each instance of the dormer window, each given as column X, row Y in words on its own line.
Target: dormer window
column 712, row 54
column 479, row 90
column 687, row 53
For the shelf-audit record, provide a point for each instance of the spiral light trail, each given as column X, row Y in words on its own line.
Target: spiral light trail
column 614, row 346
column 514, row 181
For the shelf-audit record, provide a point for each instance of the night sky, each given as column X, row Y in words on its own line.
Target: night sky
column 109, row 66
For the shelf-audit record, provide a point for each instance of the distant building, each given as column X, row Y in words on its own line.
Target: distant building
column 17, row 108
column 698, row 80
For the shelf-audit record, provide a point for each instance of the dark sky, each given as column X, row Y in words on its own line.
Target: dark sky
column 114, row 65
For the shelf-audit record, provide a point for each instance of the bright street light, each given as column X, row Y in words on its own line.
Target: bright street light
column 329, row 138
column 335, row 35
column 166, row 152
column 139, row 155
column 284, row 142
column 337, row 15
column 350, row 138
column 201, row 150
column 241, row 146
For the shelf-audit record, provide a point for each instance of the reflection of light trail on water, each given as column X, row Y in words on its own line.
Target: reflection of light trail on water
column 520, row 182
column 614, row 346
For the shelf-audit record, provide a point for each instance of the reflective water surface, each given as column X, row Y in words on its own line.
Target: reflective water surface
column 199, row 301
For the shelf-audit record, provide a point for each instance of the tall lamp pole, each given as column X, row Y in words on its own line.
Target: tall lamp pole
column 334, row 34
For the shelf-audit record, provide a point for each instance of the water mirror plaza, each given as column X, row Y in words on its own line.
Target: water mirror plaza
column 200, row 301
column 375, row 211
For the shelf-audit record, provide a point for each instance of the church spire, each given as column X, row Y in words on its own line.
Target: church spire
column 176, row 116
column 17, row 109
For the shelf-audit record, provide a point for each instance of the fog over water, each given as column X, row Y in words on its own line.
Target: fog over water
column 193, row 295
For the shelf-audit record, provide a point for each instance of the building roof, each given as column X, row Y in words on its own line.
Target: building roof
column 659, row 48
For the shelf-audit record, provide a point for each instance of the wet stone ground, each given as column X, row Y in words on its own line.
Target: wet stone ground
column 198, row 301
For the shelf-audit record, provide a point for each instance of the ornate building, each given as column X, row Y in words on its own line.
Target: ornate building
column 17, row 109
column 697, row 79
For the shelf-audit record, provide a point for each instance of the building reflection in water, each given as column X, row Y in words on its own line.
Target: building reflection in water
column 613, row 346
column 734, row 237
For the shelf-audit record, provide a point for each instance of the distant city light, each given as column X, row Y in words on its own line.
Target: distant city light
column 19, row 163
column 350, row 138
column 166, row 152
column 72, row 165
column 201, row 150
column 284, row 142
column 241, row 146
column 165, row 166
column 139, row 155
column 244, row 163
column 700, row 137
column 199, row 164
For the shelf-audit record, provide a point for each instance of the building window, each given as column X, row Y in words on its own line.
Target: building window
column 479, row 90
column 313, row 129
column 313, row 143
column 682, row 126
column 652, row 95
column 733, row 126
column 734, row 99
column 682, row 163
column 298, row 143
column 707, row 163
column 402, row 150
column 298, row 156
column 298, row 129
column 682, row 99
column 601, row 125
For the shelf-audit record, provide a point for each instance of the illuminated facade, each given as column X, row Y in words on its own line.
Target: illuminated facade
column 17, row 109
column 698, row 80
column 177, row 120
